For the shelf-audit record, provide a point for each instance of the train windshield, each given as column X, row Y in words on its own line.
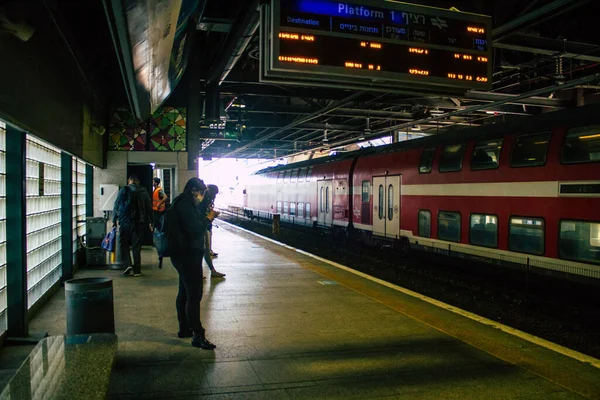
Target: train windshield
column 580, row 241
column 426, row 161
column 486, row 154
column 582, row 145
column 452, row 158
column 530, row 150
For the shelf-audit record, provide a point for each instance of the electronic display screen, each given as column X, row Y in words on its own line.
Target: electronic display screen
column 399, row 43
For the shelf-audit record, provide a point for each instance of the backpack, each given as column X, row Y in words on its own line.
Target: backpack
column 161, row 239
column 168, row 237
column 131, row 205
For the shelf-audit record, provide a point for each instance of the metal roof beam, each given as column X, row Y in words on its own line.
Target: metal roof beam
column 323, row 111
column 550, row 47
column 550, row 10
column 516, row 99
column 505, row 100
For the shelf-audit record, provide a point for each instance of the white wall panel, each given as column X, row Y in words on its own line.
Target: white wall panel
column 78, row 178
column 43, row 217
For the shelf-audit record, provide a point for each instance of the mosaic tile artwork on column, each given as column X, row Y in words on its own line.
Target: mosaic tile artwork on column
column 126, row 132
column 168, row 129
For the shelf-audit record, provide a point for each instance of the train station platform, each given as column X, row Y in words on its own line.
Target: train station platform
column 291, row 326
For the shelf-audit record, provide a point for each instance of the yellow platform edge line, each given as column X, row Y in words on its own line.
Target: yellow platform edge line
column 507, row 329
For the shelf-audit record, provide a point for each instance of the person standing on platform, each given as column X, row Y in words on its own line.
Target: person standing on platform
column 159, row 206
column 132, row 211
column 186, row 228
column 205, row 206
column 211, row 193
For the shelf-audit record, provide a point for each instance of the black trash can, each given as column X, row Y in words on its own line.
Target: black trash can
column 90, row 306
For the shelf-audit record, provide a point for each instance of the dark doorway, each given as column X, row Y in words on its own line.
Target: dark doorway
column 144, row 172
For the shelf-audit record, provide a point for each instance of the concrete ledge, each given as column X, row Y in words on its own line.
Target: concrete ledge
column 65, row 367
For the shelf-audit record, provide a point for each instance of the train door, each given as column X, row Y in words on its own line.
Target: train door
column 325, row 202
column 386, row 206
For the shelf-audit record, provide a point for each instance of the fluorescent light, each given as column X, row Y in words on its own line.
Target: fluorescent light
column 597, row 135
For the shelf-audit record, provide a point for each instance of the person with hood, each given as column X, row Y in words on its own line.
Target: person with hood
column 186, row 228
column 133, row 212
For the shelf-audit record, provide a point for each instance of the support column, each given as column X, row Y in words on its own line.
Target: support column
column 16, row 224
column 89, row 190
column 194, row 115
column 66, row 214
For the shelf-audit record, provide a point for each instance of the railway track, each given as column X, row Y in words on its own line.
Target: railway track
column 562, row 312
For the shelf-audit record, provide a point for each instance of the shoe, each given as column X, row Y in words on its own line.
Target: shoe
column 216, row 274
column 203, row 343
column 138, row 274
column 185, row 333
column 214, row 255
column 128, row 271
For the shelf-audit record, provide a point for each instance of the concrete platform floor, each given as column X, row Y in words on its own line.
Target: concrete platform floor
column 289, row 326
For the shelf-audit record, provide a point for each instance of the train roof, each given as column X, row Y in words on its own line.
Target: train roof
column 584, row 115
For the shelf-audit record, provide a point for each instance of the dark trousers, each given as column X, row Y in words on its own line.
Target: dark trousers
column 157, row 221
column 189, row 266
column 131, row 235
column 157, row 225
column 207, row 256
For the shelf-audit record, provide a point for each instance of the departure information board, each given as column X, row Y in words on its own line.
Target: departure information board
column 374, row 44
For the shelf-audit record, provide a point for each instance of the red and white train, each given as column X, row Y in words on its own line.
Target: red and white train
column 523, row 194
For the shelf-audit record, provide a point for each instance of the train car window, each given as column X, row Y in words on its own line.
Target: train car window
column 380, row 203
column 530, row 150
column 484, row 230
column 301, row 174
column 486, row 154
column 366, row 185
column 390, row 202
column 300, row 210
column 321, row 192
column 449, row 226
column 452, row 158
column 426, row 161
column 286, row 176
column 279, row 176
column 327, row 199
column 308, row 174
column 293, row 176
column 582, row 145
column 285, row 208
column 307, row 210
column 279, row 209
column 579, row 241
column 526, row 235
column 292, row 209
column 424, row 223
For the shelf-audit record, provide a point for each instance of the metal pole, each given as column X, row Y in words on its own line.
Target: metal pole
column 66, row 212
column 16, row 251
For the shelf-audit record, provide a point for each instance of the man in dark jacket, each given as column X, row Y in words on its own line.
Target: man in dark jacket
column 185, row 227
column 133, row 211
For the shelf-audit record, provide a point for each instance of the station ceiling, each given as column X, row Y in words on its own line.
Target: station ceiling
column 537, row 45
